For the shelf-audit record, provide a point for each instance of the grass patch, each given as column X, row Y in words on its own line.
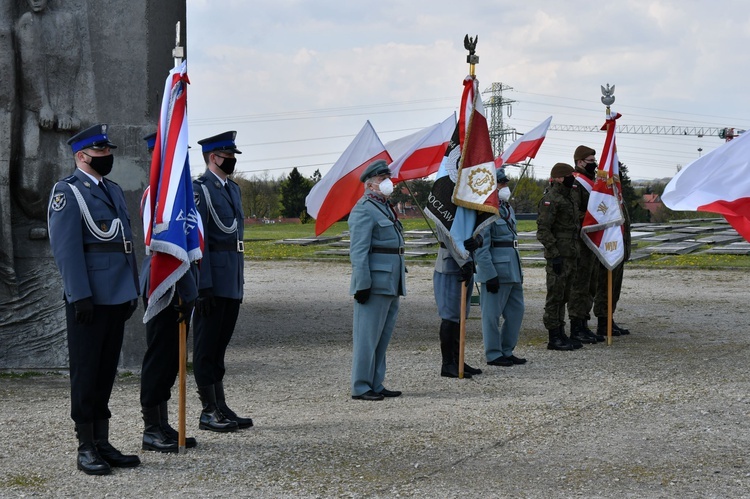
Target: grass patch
column 25, row 374
column 23, row 481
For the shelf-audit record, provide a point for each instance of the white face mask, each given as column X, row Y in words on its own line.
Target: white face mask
column 386, row 187
column 504, row 193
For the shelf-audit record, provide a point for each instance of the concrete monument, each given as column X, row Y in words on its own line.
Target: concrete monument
column 65, row 65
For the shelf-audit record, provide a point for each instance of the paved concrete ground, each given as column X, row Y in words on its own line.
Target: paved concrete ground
column 660, row 413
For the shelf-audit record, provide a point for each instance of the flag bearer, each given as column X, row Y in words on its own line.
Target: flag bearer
column 91, row 241
column 161, row 360
column 221, row 280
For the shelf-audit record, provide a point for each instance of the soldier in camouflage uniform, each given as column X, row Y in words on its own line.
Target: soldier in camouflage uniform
column 583, row 287
column 557, row 229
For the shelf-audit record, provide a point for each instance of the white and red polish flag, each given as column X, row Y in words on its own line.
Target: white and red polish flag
column 173, row 230
column 475, row 183
column 718, row 182
column 419, row 155
column 526, row 146
column 334, row 196
column 602, row 225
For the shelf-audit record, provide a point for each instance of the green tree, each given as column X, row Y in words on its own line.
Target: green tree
column 260, row 195
column 633, row 202
column 527, row 191
column 294, row 189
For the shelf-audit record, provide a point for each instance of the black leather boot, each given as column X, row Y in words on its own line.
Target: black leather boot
column 449, row 368
column 578, row 331
column 619, row 329
column 558, row 342
column 190, row 442
column 595, row 334
column 154, row 437
column 221, row 403
column 576, row 343
column 601, row 327
column 212, row 418
column 89, row 461
column 457, row 346
column 114, row 457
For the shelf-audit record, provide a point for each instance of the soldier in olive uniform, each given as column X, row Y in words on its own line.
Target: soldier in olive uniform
column 91, row 239
column 501, row 292
column 557, row 230
column 378, row 281
column 583, row 287
column 600, row 300
column 221, row 280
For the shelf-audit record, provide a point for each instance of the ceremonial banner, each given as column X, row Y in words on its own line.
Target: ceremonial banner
column 334, row 196
column 526, row 146
column 718, row 182
column 173, row 230
column 419, row 155
column 601, row 229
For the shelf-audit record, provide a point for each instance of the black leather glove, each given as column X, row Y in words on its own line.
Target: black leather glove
column 557, row 265
column 362, row 295
column 473, row 243
column 467, row 272
column 132, row 306
column 84, row 311
column 184, row 310
column 493, row 285
column 205, row 303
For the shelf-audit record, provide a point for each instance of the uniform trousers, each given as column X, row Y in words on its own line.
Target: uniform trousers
column 600, row 302
column 161, row 361
column 447, row 289
column 584, row 282
column 374, row 321
column 558, row 292
column 211, row 338
column 94, row 352
column 508, row 303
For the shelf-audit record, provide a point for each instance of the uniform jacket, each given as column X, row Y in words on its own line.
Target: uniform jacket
column 558, row 226
column 108, row 277
column 448, row 261
column 502, row 262
column 372, row 224
column 222, row 265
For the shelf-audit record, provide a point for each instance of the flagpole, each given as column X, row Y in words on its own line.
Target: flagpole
column 608, row 99
column 414, row 198
column 178, row 52
column 472, row 59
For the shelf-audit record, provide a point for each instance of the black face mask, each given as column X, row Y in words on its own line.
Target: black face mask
column 591, row 168
column 227, row 166
column 101, row 164
column 568, row 181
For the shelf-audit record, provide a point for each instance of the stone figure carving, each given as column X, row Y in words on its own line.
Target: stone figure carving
column 7, row 107
column 56, row 90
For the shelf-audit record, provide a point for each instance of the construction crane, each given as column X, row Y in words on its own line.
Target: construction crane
column 698, row 131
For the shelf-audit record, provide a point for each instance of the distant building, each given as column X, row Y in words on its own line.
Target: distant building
column 652, row 202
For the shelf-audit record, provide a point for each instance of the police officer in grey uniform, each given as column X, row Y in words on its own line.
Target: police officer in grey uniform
column 91, row 241
column 161, row 360
column 378, row 281
column 501, row 291
column 451, row 272
column 557, row 229
column 221, row 280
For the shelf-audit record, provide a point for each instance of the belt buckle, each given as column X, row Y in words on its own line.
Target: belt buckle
column 401, row 251
column 128, row 247
column 515, row 243
column 240, row 246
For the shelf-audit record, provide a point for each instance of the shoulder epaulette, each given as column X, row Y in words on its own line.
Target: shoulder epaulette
column 70, row 179
column 230, row 180
column 200, row 180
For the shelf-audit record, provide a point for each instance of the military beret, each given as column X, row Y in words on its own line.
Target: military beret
column 377, row 167
column 561, row 170
column 583, row 152
column 222, row 142
column 500, row 174
column 93, row 137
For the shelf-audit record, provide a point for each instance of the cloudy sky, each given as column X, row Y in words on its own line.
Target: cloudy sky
column 299, row 78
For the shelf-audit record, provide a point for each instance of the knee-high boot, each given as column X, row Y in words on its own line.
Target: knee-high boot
column 448, row 351
column 456, row 333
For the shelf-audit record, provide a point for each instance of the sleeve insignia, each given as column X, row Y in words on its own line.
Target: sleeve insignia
column 196, row 198
column 58, row 201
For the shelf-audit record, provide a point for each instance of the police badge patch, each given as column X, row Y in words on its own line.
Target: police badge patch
column 58, row 201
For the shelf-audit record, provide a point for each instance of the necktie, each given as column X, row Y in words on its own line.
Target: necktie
column 106, row 192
